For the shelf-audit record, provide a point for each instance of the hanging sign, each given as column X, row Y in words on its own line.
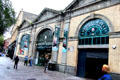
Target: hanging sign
column 56, row 39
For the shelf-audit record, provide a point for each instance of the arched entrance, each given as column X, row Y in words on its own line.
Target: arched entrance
column 44, row 45
column 92, row 48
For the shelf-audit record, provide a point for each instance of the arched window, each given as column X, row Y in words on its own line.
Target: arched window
column 24, row 44
column 94, row 32
column 45, row 39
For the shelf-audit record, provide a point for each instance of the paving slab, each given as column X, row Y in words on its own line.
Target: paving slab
column 7, row 72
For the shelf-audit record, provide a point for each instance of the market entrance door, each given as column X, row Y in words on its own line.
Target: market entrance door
column 44, row 45
column 41, row 57
column 90, row 62
column 92, row 48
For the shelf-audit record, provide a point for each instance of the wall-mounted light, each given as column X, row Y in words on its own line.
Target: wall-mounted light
column 114, row 46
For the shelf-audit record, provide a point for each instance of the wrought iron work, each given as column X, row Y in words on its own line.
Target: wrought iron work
column 94, row 32
column 44, row 39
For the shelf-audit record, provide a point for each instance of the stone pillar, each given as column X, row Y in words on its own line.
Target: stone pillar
column 31, row 41
column 63, row 65
column 18, row 44
column 56, row 36
column 36, row 58
column 114, row 52
column 64, row 54
column 54, row 56
column 33, row 44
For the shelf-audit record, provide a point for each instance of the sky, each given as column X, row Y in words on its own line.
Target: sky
column 36, row 6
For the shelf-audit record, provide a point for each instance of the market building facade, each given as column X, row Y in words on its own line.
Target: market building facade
column 79, row 39
column 22, row 16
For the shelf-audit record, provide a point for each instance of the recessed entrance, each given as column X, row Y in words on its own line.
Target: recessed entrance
column 92, row 48
column 42, row 54
column 90, row 62
column 44, row 45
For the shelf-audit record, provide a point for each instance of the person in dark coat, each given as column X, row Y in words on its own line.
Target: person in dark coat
column 30, row 60
column 16, row 59
column 46, row 63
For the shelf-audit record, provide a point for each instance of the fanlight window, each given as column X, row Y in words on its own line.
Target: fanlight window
column 44, row 39
column 94, row 32
column 45, row 36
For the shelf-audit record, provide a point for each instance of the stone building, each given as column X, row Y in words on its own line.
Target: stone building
column 22, row 16
column 79, row 39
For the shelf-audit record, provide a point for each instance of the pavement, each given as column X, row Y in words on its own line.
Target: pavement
column 7, row 72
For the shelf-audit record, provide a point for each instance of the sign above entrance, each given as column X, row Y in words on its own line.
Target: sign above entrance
column 44, row 47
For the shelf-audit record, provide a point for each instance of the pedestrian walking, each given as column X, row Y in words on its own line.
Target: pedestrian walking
column 30, row 60
column 25, row 60
column 106, row 75
column 16, row 59
column 46, row 63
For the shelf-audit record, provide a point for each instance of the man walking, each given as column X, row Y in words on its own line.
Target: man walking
column 16, row 59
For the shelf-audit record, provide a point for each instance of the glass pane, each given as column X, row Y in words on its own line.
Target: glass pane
column 94, row 40
column 107, row 40
column 87, row 41
column 93, row 32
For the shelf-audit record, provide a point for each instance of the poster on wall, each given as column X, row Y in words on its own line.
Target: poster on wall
column 64, row 49
column 24, row 44
column 56, row 39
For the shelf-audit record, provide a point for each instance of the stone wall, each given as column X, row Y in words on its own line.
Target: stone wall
column 15, row 28
column 112, row 19
column 114, row 53
column 108, row 11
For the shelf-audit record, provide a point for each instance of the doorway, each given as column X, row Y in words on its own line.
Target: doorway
column 90, row 62
column 41, row 57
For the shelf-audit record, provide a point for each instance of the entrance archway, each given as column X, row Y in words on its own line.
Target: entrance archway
column 92, row 48
column 44, row 45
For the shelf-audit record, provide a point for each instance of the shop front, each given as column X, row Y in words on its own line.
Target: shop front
column 92, row 48
column 44, row 45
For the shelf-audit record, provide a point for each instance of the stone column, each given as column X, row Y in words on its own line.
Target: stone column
column 33, row 44
column 36, row 58
column 56, row 48
column 31, row 41
column 114, row 52
column 18, row 44
column 63, row 66
column 64, row 54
